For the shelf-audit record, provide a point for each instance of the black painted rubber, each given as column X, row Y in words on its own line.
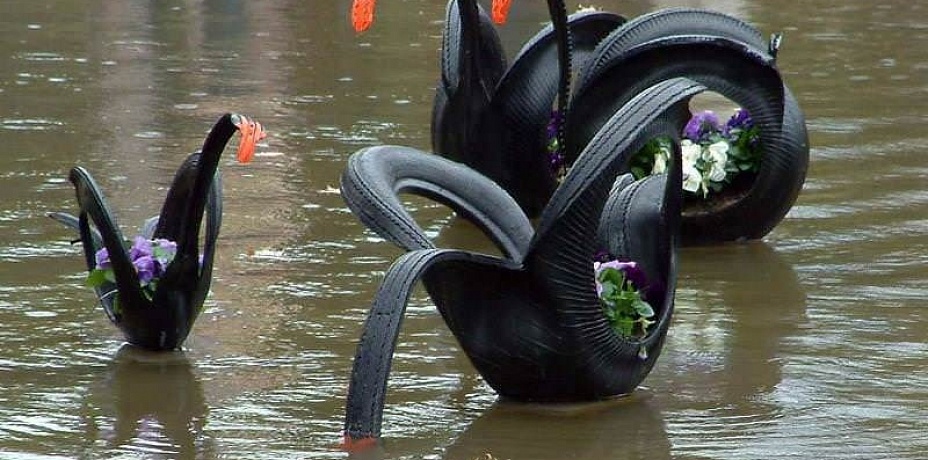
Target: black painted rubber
column 163, row 322
column 785, row 143
column 664, row 23
column 498, row 125
column 374, row 177
column 472, row 62
column 533, row 327
column 740, row 72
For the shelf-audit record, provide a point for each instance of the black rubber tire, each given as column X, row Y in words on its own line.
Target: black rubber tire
column 535, row 330
column 666, row 23
column 496, row 124
column 738, row 72
column 374, row 177
column 786, row 158
column 164, row 321
column 512, row 147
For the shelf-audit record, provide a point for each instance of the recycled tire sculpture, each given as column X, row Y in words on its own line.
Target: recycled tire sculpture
column 494, row 119
column 163, row 320
column 530, row 321
column 730, row 58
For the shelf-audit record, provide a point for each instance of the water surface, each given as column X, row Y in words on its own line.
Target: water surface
column 808, row 344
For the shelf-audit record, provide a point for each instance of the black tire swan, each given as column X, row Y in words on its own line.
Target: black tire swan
column 729, row 57
column 494, row 118
column 531, row 321
column 161, row 319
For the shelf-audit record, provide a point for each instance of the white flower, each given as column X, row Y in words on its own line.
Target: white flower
column 717, row 156
column 587, row 9
column 717, row 173
column 690, row 152
column 660, row 163
column 717, row 152
column 692, row 179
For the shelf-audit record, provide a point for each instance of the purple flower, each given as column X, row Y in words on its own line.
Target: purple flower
column 553, row 124
column 702, row 124
column 163, row 251
column 555, row 157
column 141, row 247
column 145, row 266
column 103, row 259
column 740, row 120
column 632, row 272
column 166, row 245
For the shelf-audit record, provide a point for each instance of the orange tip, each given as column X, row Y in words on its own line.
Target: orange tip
column 357, row 445
column 362, row 14
column 252, row 133
column 501, row 10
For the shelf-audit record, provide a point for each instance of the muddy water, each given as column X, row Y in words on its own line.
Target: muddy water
column 809, row 344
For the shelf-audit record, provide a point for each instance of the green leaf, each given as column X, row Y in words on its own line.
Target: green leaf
column 643, row 308
column 96, row 278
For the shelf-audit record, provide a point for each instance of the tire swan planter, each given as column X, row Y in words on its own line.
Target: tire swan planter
column 531, row 321
column 730, row 58
column 498, row 120
column 154, row 291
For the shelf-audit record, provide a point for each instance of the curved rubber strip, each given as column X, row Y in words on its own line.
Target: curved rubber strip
column 71, row 221
column 666, row 23
column 472, row 63
column 93, row 206
column 375, row 176
column 371, row 369
column 173, row 223
column 739, row 72
column 512, row 146
column 730, row 68
column 566, row 238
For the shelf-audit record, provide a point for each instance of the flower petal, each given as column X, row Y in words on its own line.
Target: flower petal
column 692, row 179
column 145, row 266
column 660, row 163
column 141, row 247
column 103, row 259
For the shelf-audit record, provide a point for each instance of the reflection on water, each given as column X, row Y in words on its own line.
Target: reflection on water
column 734, row 317
column 811, row 344
column 632, row 427
column 148, row 403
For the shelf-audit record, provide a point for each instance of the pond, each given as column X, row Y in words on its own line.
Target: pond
column 804, row 345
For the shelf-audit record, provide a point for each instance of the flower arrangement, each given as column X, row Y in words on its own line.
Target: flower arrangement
column 713, row 154
column 150, row 257
column 619, row 286
column 555, row 152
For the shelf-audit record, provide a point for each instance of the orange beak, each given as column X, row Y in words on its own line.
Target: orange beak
column 362, row 14
column 501, row 10
column 252, row 133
